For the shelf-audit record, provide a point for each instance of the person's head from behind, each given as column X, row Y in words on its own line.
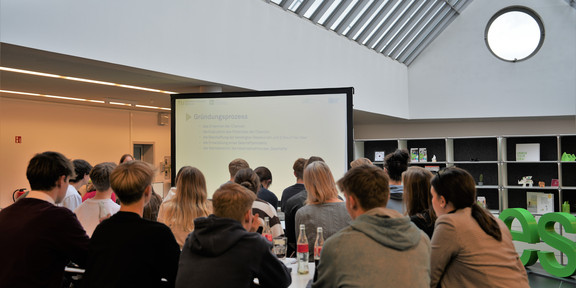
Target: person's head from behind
column 366, row 187
column 312, row 159
column 125, row 158
column 454, row 188
column 360, row 161
column 319, row 183
column 417, row 196
column 100, row 176
column 82, row 169
column 396, row 163
column 298, row 168
column 264, row 175
column 191, row 186
column 248, row 179
column 50, row 170
column 236, row 165
column 131, row 181
column 233, row 201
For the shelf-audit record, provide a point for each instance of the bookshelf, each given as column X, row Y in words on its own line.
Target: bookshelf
column 495, row 158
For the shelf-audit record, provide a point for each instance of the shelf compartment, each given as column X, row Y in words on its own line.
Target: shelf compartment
column 433, row 147
column 475, row 149
column 548, row 147
column 489, row 170
column 539, row 172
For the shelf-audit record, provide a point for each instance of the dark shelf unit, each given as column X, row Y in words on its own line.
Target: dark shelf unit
column 495, row 158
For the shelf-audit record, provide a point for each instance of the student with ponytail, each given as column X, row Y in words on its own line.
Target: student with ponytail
column 470, row 248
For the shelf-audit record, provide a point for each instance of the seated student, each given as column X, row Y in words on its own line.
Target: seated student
column 220, row 252
column 236, row 165
column 470, row 248
column 73, row 199
column 265, row 181
column 290, row 191
column 248, row 178
column 323, row 208
column 292, row 206
column 37, row 238
column 127, row 250
column 380, row 248
column 395, row 164
column 92, row 211
column 418, row 199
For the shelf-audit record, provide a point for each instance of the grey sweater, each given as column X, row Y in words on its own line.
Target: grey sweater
column 330, row 216
column 379, row 249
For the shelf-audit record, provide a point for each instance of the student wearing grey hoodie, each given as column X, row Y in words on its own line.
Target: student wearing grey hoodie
column 380, row 248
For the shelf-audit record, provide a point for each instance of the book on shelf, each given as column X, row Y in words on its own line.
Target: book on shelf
column 422, row 155
column 528, row 152
column 540, row 203
column 414, row 154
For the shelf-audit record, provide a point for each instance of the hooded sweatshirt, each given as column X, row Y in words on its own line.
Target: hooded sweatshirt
column 396, row 195
column 380, row 248
column 221, row 253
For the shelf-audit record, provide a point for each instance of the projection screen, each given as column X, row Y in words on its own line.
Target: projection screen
column 266, row 128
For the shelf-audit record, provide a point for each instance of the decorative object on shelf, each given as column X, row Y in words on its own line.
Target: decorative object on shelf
column 568, row 157
column 481, row 180
column 434, row 158
column 413, row 154
column 555, row 183
column 422, row 155
column 528, row 152
column 379, row 155
column 540, row 203
column 566, row 207
column 526, row 180
column 541, row 184
column 481, row 200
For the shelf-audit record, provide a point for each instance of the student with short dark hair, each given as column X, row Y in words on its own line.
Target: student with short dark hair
column 395, row 164
column 220, row 252
column 236, row 165
column 292, row 190
column 82, row 171
column 37, row 238
column 127, row 250
column 265, row 176
column 381, row 247
column 92, row 211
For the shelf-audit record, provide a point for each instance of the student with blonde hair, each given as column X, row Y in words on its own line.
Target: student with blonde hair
column 125, row 249
column 323, row 207
column 189, row 203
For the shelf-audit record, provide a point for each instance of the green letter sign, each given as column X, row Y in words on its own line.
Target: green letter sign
column 532, row 232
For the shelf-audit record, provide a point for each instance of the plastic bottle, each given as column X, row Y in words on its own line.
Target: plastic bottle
column 318, row 244
column 267, row 232
column 302, row 251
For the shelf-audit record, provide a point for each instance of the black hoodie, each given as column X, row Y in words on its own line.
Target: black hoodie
column 221, row 253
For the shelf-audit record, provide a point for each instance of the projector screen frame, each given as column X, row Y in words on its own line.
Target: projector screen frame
column 349, row 91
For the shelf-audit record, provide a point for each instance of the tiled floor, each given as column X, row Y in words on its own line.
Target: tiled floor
column 540, row 279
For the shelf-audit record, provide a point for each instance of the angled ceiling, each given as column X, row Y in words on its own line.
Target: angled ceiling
column 398, row 29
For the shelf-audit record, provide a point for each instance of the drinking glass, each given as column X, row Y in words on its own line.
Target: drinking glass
column 280, row 243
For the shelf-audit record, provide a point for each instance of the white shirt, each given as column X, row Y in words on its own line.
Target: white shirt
column 89, row 213
column 72, row 199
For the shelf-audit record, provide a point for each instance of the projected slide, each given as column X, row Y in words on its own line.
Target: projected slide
column 270, row 129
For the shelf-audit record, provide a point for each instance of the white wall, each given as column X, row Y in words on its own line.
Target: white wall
column 244, row 43
column 79, row 132
column 458, row 77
